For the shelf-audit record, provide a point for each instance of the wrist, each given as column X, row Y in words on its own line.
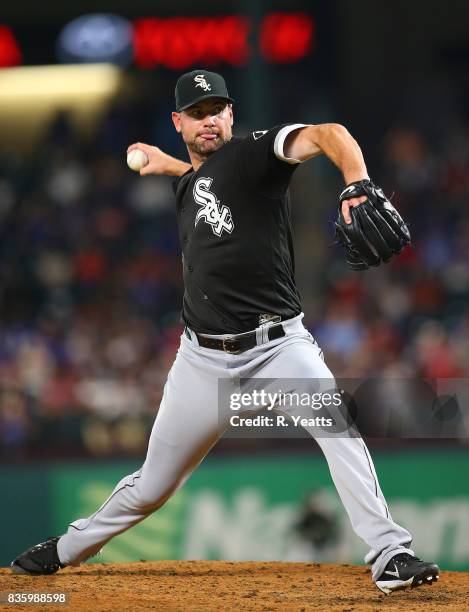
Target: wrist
column 355, row 175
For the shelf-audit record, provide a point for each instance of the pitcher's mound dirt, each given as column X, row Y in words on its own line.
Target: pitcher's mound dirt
column 226, row 586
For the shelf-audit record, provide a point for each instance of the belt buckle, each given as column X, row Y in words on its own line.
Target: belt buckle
column 227, row 349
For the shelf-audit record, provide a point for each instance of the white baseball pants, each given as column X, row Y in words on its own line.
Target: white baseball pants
column 188, row 424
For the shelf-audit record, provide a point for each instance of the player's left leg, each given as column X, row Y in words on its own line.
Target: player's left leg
column 394, row 565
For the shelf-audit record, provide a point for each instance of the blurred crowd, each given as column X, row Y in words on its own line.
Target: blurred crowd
column 410, row 317
column 90, row 287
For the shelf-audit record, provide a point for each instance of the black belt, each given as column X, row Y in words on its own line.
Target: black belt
column 237, row 344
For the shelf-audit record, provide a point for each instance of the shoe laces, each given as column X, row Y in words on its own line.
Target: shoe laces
column 48, row 544
column 404, row 559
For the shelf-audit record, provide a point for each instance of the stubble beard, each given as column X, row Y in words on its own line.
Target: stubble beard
column 203, row 149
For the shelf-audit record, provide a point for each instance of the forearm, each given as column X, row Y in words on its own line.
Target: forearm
column 159, row 162
column 341, row 148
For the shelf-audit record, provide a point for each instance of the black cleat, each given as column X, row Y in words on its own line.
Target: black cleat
column 405, row 571
column 39, row 559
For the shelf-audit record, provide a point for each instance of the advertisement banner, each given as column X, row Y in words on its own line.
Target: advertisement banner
column 279, row 508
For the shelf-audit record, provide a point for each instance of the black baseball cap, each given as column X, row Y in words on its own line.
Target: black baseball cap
column 199, row 85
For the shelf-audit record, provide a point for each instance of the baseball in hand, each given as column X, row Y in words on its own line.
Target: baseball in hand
column 136, row 159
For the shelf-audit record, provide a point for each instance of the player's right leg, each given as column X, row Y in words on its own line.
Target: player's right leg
column 186, row 427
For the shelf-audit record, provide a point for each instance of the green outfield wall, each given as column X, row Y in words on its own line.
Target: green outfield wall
column 242, row 509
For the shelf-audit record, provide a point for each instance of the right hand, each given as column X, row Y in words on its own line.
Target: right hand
column 158, row 160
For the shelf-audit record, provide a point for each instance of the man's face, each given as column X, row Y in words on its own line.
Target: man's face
column 205, row 126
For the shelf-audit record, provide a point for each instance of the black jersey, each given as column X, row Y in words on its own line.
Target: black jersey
column 235, row 232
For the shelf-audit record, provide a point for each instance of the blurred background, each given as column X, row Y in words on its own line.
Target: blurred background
column 90, row 272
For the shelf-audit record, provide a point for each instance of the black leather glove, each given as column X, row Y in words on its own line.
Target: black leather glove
column 377, row 231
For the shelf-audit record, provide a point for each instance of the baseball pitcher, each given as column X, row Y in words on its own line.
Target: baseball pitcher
column 243, row 317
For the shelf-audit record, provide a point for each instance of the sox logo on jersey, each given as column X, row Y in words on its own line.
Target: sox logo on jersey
column 219, row 217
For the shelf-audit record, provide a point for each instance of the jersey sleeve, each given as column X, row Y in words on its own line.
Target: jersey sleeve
column 262, row 161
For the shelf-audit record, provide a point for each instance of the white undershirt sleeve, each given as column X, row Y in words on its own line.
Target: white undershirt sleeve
column 280, row 141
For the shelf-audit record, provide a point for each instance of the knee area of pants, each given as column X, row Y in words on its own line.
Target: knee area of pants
column 149, row 503
column 151, row 496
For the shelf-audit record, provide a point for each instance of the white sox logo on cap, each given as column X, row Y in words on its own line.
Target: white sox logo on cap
column 202, row 82
column 218, row 217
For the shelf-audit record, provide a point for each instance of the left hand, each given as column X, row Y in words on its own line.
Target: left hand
column 348, row 204
column 377, row 232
